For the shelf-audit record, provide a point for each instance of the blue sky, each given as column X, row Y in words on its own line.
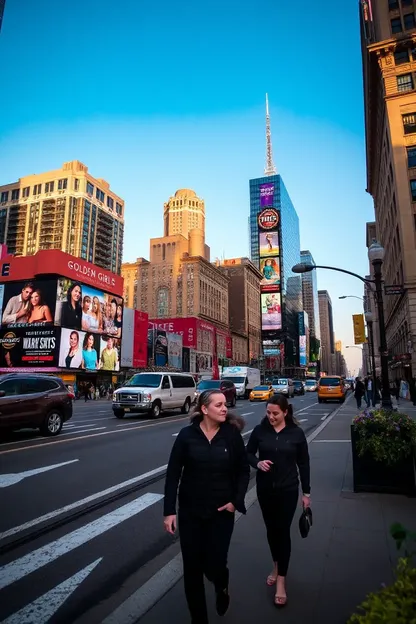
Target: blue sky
column 158, row 96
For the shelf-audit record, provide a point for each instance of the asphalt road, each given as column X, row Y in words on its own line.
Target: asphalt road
column 83, row 511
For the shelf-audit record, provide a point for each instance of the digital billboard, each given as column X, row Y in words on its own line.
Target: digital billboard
column 268, row 219
column 175, row 350
column 266, row 194
column 270, row 269
column 269, row 244
column 30, row 302
column 134, row 343
column 302, row 350
column 271, row 314
column 29, row 347
column 88, row 351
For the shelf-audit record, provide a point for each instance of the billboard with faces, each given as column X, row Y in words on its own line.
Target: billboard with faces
column 28, row 303
column 89, row 351
column 269, row 250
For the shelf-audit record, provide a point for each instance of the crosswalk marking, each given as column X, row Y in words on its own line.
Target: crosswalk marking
column 45, row 607
column 41, row 557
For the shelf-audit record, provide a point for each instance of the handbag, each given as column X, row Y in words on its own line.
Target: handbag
column 305, row 522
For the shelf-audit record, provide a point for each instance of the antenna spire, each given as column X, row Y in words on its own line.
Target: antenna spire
column 270, row 168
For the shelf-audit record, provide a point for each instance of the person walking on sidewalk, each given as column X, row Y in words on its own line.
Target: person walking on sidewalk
column 359, row 391
column 210, row 461
column 277, row 449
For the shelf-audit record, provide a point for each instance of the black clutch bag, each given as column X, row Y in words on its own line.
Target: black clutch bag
column 305, row 522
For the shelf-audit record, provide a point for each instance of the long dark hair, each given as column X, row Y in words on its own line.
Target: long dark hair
column 78, row 305
column 281, row 401
column 205, row 399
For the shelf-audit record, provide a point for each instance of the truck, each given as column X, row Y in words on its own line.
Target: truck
column 243, row 377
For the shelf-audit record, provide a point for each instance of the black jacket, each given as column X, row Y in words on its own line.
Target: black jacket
column 211, row 474
column 288, row 450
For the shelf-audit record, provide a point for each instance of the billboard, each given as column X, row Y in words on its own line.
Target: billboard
column 186, row 327
column 270, row 270
column 359, row 330
column 88, row 351
column 302, row 350
column 29, row 302
column 29, row 347
column 268, row 219
column 271, row 314
column 269, row 244
column 271, row 347
column 134, row 342
column 175, row 350
column 266, row 194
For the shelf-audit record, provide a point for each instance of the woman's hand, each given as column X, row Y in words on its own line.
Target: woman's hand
column 228, row 507
column 265, row 465
column 170, row 524
column 306, row 501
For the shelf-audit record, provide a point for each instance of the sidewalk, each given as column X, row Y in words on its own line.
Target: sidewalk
column 348, row 553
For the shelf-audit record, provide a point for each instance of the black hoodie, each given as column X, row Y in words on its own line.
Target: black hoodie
column 288, row 450
column 211, row 474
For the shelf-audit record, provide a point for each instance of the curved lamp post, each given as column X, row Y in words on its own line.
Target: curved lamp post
column 369, row 320
column 376, row 257
column 351, row 297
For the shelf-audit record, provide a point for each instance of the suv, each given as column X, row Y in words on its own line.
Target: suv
column 31, row 400
column 227, row 388
column 152, row 393
column 299, row 387
column 283, row 386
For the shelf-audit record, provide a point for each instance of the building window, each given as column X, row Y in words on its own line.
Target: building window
column 76, row 184
column 396, row 25
column 409, row 21
column 26, row 191
column 401, row 56
column 90, row 188
column 49, row 187
column 4, row 196
column 15, row 194
column 119, row 208
column 99, row 195
column 404, row 83
column 37, row 189
column 110, row 202
column 62, row 184
column 162, row 302
column 411, row 156
column 409, row 123
column 406, row 3
column 393, row 4
column 413, row 189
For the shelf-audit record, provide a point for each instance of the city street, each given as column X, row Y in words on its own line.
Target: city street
column 82, row 512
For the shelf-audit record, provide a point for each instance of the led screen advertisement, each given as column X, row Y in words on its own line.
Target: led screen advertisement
column 266, row 194
column 28, row 348
column 270, row 270
column 302, row 350
column 29, row 303
column 269, row 244
column 271, row 314
column 88, row 351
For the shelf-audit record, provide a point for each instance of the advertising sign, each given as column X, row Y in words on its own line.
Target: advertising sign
column 271, row 315
column 268, row 219
column 88, row 351
column 161, row 348
column 29, row 348
column 302, row 350
column 269, row 244
column 266, row 194
column 29, row 302
column 82, row 307
column 270, row 269
column 186, row 327
column 204, row 363
column 134, row 342
column 175, row 350
column 271, row 347
column 359, row 330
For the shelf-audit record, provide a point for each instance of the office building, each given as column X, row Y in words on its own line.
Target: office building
column 370, row 306
column 311, row 305
column 388, row 32
column 66, row 209
column 274, row 249
column 2, row 3
column 327, row 332
column 244, row 309
column 340, row 364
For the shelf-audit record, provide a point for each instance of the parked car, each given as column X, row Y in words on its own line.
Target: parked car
column 311, row 385
column 261, row 393
column 152, row 393
column 283, row 386
column 222, row 385
column 34, row 401
column 331, row 388
column 298, row 387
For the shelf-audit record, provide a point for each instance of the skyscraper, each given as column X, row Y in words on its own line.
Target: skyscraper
column 388, row 31
column 2, row 3
column 65, row 209
column 274, row 249
column 311, row 305
column 327, row 332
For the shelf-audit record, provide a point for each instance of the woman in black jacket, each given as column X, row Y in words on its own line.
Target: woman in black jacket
column 278, row 448
column 209, row 459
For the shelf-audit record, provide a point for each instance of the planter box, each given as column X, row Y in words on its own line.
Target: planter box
column 373, row 476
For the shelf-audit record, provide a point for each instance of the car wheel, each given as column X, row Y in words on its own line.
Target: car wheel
column 52, row 424
column 156, row 409
column 186, row 407
column 319, row 400
column 119, row 414
column 233, row 401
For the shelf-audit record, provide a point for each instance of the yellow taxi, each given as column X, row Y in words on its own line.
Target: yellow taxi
column 261, row 393
column 331, row 388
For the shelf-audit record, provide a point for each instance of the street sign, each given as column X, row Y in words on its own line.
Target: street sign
column 394, row 289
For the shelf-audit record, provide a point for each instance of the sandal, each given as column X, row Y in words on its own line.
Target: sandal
column 280, row 601
column 271, row 580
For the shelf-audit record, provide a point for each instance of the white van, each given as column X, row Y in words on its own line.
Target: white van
column 152, row 393
column 243, row 377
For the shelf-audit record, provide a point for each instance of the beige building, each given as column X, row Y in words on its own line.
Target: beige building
column 327, row 332
column 388, row 34
column 244, row 310
column 370, row 306
column 65, row 209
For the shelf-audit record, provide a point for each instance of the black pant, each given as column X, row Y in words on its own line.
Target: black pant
column 204, row 543
column 278, row 509
column 358, row 398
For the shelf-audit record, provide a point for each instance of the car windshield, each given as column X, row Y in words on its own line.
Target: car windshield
column 261, row 388
column 233, row 379
column 208, row 384
column 297, row 383
column 329, row 381
column 311, row 382
column 282, row 382
column 144, row 380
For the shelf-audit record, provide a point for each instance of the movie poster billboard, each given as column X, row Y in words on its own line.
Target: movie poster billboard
column 266, row 194
column 270, row 270
column 88, row 309
column 29, row 348
column 88, row 351
column 302, row 350
column 271, row 314
column 269, row 244
column 134, row 345
column 29, row 302
column 175, row 350
column 161, row 348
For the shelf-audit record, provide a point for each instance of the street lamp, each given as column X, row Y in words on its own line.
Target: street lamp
column 376, row 257
column 369, row 320
column 351, row 297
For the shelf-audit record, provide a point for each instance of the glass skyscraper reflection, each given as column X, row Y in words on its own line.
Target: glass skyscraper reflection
column 274, row 249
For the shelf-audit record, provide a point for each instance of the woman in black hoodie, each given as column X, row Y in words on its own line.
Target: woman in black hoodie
column 278, row 449
column 209, row 459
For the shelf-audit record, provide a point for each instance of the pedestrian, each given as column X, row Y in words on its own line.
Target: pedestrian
column 359, row 391
column 209, row 459
column 370, row 393
column 398, row 387
column 86, row 392
column 278, row 449
column 366, row 391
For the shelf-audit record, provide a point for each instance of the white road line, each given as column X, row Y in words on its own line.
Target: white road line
column 246, row 433
column 7, row 480
column 46, row 606
column 89, row 420
column 78, row 426
column 303, row 420
column 38, row 438
column 18, row 569
column 134, row 422
column 75, row 432
column 84, row 501
column 304, row 408
column 247, row 414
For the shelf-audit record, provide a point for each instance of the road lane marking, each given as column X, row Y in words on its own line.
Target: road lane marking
column 303, row 420
column 84, row 501
column 134, row 422
column 305, row 408
column 324, row 417
column 246, row 432
column 78, row 426
column 72, row 432
column 46, row 606
column 247, row 414
column 7, row 480
column 18, row 569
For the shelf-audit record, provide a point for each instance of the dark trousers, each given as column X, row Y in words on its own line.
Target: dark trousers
column 359, row 400
column 278, row 509
column 204, row 543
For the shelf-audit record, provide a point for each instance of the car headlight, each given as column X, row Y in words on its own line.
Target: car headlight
column 114, row 397
column 147, row 398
